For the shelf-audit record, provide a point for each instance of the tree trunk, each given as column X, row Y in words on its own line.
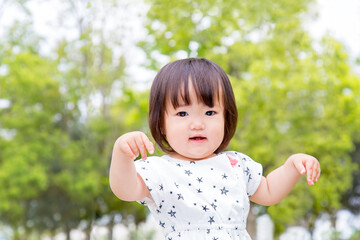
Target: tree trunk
column 16, row 235
column 67, row 232
column 88, row 230
column 111, row 227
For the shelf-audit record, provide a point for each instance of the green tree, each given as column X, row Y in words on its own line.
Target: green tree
column 65, row 114
column 94, row 78
column 127, row 113
column 46, row 139
column 27, row 123
column 292, row 95
column 351, row 200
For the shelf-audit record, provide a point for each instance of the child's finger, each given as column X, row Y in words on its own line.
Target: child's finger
column 134, row 149
column 148, row 144
column 313, row 171
column 310, row 171
column 150, row 147
column 317, row 171
column 141, row 146
column 300, row 167
column 144, row 144
column 128, row 149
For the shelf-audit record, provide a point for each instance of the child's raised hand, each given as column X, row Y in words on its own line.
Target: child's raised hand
column 133, row 143
column 306, row 163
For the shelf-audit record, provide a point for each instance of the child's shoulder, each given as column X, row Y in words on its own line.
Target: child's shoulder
column 152, row 161
column 241, row 160
column 237, row 155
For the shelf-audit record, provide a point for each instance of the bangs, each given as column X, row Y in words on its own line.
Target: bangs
column 204, row 78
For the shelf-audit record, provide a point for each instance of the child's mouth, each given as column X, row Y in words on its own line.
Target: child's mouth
column 198, row 138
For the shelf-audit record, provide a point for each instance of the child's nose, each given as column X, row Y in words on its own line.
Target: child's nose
column 197, row 124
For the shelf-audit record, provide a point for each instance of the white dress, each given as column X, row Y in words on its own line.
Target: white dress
column 201, row 200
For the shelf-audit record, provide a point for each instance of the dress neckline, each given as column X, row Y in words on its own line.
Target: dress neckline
column 194, row 161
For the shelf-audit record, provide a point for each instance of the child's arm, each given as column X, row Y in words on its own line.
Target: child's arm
column 125, row 182
column 281, row 181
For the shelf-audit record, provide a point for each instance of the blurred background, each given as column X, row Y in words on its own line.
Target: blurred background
column 75, row 75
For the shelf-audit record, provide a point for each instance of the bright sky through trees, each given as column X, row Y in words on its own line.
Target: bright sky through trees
column 339, row 18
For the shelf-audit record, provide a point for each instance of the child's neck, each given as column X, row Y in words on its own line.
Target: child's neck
column 182, row 157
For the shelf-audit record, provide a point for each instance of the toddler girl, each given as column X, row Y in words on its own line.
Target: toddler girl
column 198, row 191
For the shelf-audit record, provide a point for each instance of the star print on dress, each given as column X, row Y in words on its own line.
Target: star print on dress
column 249, row 177
column 188, row 172
column 224, row 191
column 205, row 199
column 205, row 208
column 180, row 196
column 172, row 213
column 214, row 206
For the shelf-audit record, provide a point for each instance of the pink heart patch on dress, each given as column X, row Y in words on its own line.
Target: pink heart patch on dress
column 233, row 162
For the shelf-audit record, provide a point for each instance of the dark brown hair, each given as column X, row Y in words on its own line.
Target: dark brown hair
column 210, row 83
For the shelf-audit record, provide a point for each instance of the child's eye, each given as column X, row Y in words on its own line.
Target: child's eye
column 182, row 114
column 210, row 113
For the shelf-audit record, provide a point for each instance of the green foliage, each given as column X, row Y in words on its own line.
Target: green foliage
column 57, row 134
column 212, row 25
column 140, row 234
column 351, row 199
column 30, row 119
column 355, row 236
column 132, row 110
column 280, row 213
column 299, row 107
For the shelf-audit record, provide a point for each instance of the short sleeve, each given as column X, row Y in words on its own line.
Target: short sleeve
column 252, row 172
column 151, row 175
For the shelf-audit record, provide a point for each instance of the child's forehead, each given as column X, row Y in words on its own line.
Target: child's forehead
column 193, row 93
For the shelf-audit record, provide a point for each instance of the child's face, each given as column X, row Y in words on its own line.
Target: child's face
column 194, row 131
